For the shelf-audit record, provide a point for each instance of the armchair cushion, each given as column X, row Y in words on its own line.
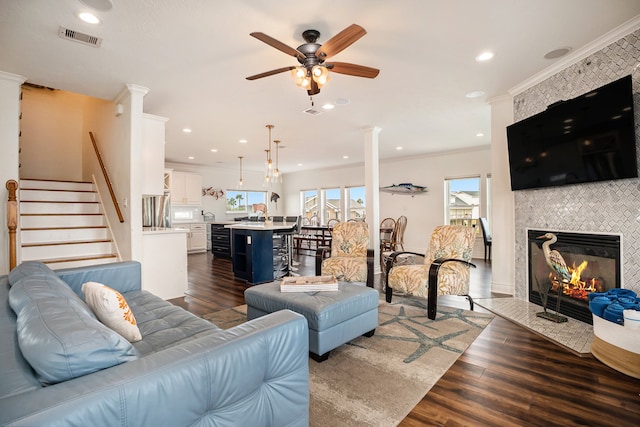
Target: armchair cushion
column 349, row 250
column 350, row 239
column 453, row 279
column 346, row 269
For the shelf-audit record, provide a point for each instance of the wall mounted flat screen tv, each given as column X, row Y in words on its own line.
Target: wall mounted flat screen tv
column 586, row 139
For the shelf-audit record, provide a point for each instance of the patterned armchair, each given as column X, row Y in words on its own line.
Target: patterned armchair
column 445, row 271
column 350, row 258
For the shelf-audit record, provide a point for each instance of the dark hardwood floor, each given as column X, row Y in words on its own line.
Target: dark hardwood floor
column 507, row 377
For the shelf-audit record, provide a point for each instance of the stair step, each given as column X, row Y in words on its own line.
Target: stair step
column 61, row 220
column 57, row 196
column 81, row 261
column 45, row 184
column 58, row 234
column 37, row 207
column 72, row 242
column 62, row 224
column 66, row 249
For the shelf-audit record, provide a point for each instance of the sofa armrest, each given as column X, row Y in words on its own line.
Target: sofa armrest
column 121, row 276
column 254, row 374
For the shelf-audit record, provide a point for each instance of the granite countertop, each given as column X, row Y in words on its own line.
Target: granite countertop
column 163, row 230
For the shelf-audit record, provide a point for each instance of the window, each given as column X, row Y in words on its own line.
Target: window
column 310, row 205
column 463, row 201
column 357, row 202
column 248, row 202
column 332, row 204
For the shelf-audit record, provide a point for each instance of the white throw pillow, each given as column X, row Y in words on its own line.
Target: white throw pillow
column 111, row 309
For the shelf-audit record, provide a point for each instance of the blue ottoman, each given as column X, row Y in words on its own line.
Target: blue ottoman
column 334, row 318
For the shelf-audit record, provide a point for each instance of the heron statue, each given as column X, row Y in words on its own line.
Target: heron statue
column 555, row 261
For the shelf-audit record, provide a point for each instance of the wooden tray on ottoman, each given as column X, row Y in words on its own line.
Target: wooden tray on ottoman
column 308, row 284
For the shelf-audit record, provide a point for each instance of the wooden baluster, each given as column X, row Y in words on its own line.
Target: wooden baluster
column 12, row 220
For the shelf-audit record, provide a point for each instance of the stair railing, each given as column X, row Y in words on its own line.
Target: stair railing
column 106, row 178
column 12, row 220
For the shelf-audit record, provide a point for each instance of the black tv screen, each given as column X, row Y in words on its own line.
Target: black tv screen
column 586, row 139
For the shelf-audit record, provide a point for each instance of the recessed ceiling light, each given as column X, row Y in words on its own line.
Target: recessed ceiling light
column 243, row 141
column 474, row 94
column 89, row 18
column 398, row 148
column 186, row 130
column 328, row 106
column 479, row 134
column 214, row 150
column 190, row 157
column 345, row 157
column 484, row 56
column 300, row 164
column 557, row 53
column 342, row 101
column 103, row 5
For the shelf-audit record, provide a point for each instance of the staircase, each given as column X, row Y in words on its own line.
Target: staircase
column 62, row 224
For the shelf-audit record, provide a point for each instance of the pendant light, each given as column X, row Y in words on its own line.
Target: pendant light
column 269, row 163
column 240, row 182
column 276, row 171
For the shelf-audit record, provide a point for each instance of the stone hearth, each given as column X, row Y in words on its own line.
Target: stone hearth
column 573, row 335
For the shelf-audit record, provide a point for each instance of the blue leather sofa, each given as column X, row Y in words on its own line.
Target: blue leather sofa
column 185, row 371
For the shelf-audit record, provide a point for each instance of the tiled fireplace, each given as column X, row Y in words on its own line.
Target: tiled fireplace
column 609, row 207
column 592, row 265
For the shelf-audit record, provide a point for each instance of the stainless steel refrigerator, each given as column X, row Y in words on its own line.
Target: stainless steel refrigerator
column 156, row 211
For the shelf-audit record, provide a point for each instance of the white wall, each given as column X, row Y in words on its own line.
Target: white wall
column 9, row 131
column 227, row 179
column 502, row 202
column 51, row 138
column 119, row 140
column 423, row 211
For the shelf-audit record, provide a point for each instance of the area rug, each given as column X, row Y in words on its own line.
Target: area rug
column 377, row 381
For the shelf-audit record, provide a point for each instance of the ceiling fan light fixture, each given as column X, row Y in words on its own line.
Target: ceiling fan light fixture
column 301, row 77
column 320, row 74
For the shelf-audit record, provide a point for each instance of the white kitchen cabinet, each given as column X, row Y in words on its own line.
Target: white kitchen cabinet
column 197, row 238
column 153, row 139
column 186, row 189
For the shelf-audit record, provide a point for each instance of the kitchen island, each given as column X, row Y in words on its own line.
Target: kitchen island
column 260, row 252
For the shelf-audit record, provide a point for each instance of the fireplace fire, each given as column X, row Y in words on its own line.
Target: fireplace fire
column 592, row 265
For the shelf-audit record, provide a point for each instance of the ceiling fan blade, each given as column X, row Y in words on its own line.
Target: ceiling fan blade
column 270, row 73
column 353, row 69
column 278, row 45
column 340, row 41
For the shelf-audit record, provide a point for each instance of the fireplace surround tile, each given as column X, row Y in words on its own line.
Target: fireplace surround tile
column 603, row 207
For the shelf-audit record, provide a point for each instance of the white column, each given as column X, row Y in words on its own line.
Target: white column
column 137, row 94
column 10, row 87
column 372, row 185
column 502, row 200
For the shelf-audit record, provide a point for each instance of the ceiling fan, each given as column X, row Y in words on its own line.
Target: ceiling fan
column 313, row 72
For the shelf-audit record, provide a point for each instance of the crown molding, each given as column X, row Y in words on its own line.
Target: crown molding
column 579, row 54
column 12, row 77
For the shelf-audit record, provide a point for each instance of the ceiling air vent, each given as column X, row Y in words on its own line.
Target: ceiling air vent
column 79, row 37
column 312, row 111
